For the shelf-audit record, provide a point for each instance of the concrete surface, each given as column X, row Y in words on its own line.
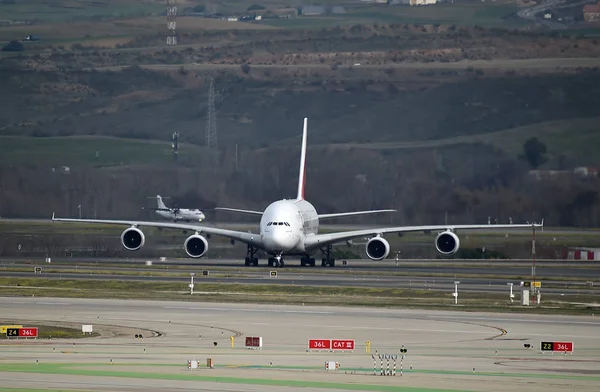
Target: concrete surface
column 447, row 350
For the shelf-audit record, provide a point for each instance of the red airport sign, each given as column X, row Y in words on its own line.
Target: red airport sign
column 319, row 344
column 254, row 342
column 28, row 332
column 557, row 346
column 342, row 344
column 22, row 332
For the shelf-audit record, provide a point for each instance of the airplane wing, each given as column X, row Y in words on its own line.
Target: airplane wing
column 238, row 210
column 343, row 214
column 247, row 238
column 320, row 240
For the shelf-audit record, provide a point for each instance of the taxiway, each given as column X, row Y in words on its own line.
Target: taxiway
column 447, row 351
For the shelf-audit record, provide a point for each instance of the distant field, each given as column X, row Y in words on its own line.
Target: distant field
column 133, row 18
column 568, row 137
column 126, row 29
column 72, row 150
column 68, row 10
column 461, row 12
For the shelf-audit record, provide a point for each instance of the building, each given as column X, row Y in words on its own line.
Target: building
column 591, row 12
column 583, row 254
column 308, row 10
column 422, row 2
column 587, row 171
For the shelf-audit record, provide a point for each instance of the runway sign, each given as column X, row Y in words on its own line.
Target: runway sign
column 342, row 344
column 273, row 274
column 253, row 342
column 3, row 328
column 319, row 344
column 22, row 332
column 557, row 346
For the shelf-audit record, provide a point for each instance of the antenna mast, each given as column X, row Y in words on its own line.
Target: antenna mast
column 171, row 22
column 211, row 127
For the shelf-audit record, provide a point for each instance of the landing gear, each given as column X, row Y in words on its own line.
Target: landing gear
column 306, row 260
column 328, row 260
column 276, row 261
column 251, row 258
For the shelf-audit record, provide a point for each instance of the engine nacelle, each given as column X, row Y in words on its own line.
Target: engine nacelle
column 447, row 243
column 195, row 246
column 377, row 248
column 133, row 238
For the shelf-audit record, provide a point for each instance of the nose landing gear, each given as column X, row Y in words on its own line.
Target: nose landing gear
column 276, row 261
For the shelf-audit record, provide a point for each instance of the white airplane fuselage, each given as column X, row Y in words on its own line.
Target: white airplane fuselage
column 286, row 223
column 183, row 215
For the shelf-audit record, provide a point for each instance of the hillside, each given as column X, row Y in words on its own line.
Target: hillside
column 427, row 114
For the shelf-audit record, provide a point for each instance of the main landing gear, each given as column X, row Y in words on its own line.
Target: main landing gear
column 328, row 260
column 306, row 260
column 251, row 258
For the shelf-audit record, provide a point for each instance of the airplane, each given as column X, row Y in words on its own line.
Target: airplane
column 177, row 214
column 290, row 227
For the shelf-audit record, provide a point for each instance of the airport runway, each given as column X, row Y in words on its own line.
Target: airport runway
column 544, row 268
column 446, row 351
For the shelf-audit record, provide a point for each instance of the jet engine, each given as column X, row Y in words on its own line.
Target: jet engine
column 447, row 243
column 133, row 238
column 377, row 248
column 196, row 246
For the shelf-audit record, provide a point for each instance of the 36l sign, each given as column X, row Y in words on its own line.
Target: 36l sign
column 319, row 344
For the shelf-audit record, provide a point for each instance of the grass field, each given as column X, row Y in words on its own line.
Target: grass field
column 52, row 331
column 288, row 294
column 569, row 137
column 77, row 150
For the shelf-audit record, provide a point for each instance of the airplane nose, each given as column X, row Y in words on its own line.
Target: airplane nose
column 279, row 240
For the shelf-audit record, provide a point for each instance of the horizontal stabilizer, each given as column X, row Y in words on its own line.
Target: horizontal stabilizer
column 238, row 210
column 344, row 214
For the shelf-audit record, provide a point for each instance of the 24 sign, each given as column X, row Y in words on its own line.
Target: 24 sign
column 22, row 332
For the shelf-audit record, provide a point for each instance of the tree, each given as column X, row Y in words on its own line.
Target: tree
column 13, row 46
column 533, row 152
column 255, row 7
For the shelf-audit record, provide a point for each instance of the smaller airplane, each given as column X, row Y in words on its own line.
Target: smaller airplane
column 176, row 213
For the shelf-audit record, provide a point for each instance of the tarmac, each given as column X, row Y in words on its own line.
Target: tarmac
column 446, row 350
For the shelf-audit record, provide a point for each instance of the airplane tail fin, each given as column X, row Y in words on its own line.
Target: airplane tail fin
column 302, row 173
column 160, row 203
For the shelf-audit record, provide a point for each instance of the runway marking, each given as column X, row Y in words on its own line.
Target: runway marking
column 249, row 310
column 321, row 326
column 519, row 320
column 52, row 303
